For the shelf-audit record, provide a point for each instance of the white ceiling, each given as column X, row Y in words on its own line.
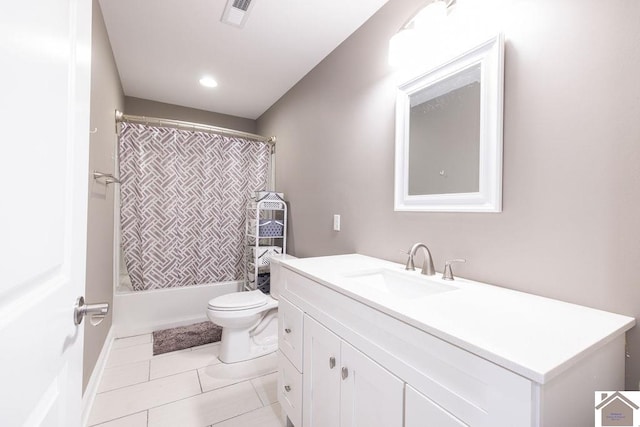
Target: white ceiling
column 163, row 47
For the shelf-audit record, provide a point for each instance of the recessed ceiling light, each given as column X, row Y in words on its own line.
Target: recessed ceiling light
column 208, row 82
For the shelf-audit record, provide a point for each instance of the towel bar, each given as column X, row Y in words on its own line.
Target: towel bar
column 108, row 178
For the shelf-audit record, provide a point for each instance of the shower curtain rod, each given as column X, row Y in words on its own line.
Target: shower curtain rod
column 121, row 117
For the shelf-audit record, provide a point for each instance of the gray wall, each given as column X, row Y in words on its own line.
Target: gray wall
column 570, row 224
column 106, row 97
column 144, row 107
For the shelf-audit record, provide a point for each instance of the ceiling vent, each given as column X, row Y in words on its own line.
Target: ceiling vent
column 236, row 12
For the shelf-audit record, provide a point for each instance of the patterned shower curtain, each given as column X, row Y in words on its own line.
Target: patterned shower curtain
column 183, row 200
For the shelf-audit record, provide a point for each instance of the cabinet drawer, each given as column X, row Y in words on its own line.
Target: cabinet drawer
column 290, row 332
column 419, row 411
column 290, row 390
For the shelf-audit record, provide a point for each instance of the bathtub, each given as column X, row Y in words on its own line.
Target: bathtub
column 142, row 312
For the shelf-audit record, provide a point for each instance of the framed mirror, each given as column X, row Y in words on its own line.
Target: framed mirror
column 449, row 134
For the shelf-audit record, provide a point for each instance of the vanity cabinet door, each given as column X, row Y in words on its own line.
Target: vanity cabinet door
column 343, row 387
column 370, row 395
column 420, row 411
column 321, row 379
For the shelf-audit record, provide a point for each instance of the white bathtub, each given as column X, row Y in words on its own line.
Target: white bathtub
column 142, row 312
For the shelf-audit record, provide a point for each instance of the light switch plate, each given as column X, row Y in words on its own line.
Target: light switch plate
column 336, row 223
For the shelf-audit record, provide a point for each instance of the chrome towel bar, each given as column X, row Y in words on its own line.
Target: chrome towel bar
column 105, row 178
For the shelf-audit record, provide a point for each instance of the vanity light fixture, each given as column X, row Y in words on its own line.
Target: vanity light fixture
column 423, row 27
column 208, row 81
column 444, row 26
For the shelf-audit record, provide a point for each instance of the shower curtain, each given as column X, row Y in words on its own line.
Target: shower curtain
column 183, row 200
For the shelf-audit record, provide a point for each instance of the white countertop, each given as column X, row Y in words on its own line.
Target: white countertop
column 533, row 336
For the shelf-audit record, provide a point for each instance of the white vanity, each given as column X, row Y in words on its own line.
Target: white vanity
column 364, row 343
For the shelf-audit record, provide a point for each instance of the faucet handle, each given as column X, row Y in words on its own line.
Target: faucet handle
column 410, row 264
column 448, row 273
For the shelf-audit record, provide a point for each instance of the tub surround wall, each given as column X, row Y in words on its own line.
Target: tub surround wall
column 143, row 312
column 569, row 224
column 106, row 97
column 145, row 107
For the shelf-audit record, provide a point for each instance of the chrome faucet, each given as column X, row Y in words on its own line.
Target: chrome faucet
column 427, row 265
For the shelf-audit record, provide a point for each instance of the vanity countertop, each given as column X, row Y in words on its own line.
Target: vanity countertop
column 533, row 336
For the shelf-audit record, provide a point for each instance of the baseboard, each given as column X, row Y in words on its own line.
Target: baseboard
column 94, row 381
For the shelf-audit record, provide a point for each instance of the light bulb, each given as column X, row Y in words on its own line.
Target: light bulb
column 207, row 81
column 432, row 15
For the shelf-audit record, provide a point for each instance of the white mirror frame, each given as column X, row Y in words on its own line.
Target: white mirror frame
column 490, row 56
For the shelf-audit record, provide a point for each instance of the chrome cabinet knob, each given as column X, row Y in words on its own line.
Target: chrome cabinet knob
column 332, row 362
column 345, row 372
column 287, row 330
column 287, row 388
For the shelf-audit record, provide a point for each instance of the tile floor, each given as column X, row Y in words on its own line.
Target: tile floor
column 184, row 388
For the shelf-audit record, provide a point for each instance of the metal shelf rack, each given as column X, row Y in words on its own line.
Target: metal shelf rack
column 265, row 236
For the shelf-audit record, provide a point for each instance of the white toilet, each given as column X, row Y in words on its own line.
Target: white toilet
column 249, row 324
column 249, row 321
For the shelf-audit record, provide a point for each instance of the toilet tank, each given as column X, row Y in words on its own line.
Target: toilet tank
column 276, row 268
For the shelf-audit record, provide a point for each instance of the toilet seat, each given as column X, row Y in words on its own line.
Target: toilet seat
column 238, row 301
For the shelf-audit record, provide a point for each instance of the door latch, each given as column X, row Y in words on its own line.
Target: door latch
column 96, row 312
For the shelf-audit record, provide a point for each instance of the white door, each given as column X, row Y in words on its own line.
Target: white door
column 45, row 65
column 321, row 379
column 370, row 395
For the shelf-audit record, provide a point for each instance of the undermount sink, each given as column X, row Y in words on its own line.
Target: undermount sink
column 399, row 284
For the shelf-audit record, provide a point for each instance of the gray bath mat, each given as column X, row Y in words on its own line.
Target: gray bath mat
column 183, row 337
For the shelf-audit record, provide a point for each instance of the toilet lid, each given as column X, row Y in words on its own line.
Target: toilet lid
column 238, row 301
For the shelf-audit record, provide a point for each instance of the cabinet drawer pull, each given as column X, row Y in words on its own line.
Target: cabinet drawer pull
column 332, row 362
column 345, row 372
column 287, row 330
column 287, row 388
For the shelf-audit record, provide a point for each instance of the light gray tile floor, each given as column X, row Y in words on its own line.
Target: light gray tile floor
column 187, row 388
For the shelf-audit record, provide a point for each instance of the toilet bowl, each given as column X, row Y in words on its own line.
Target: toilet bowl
column 249, row 320
column 249, row 324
